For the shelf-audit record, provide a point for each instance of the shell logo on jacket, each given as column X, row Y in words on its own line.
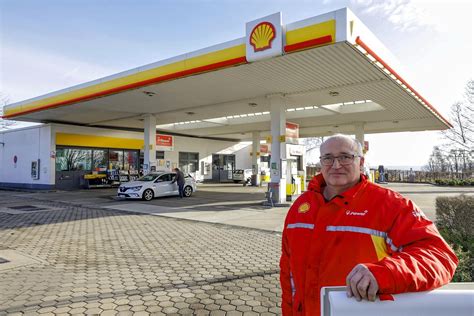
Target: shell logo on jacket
column 368, row 224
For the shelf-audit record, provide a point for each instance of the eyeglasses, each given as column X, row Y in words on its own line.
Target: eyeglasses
column 345, row 159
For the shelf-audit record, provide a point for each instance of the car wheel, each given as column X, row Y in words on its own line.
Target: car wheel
column 188, row 191
column 148, row 195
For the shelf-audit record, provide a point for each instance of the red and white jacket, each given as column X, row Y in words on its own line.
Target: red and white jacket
column 368, row 224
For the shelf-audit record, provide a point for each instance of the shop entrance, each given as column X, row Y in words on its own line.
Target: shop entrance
column 222, row 167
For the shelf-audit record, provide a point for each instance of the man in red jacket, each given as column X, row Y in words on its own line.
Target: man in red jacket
column 346, row 230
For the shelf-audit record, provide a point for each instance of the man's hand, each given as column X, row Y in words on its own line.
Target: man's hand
column 361, row 283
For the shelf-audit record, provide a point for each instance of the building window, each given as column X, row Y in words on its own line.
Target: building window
column 100, row 158
column 116, row 159
column 188, row 162
column 131, row 160
column 160, row 154
column 70, row 159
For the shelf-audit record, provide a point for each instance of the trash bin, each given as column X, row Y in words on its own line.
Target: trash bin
column 253, row 180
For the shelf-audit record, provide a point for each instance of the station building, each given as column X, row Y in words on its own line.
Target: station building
column 214, row 110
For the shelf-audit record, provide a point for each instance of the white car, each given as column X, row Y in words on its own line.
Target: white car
column 154, row 185
column 242, row 175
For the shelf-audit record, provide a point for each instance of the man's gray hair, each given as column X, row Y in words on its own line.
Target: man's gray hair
column 356, row 145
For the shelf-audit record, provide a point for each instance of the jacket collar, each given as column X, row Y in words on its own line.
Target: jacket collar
column 317, row 185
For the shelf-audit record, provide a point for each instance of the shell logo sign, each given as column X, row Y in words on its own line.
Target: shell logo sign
column 262, row 36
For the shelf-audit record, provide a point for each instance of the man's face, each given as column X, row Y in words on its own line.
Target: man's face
column 337, row 175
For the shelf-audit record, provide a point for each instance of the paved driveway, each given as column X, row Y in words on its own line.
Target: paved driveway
column 66, row 260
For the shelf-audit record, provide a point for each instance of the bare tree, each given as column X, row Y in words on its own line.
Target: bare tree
column 4, row 124
column 461, row 135
column 313, row 143
column 438, row 161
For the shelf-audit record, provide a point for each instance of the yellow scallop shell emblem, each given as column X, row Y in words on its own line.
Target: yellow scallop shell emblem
column 303, row 208
column 262, row 36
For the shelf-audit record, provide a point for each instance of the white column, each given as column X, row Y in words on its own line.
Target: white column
column 278, row 160
column 256, row 156
column 359, row 132
column 149, row 150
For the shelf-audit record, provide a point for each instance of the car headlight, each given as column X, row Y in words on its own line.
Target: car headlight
column 138, row 188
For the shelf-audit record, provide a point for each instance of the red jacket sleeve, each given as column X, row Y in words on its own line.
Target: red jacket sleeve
column 420, row 259
column 286, row 304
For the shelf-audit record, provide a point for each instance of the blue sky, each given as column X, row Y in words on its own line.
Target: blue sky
column 49, row 45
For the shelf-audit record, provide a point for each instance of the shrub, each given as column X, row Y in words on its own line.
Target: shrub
column 454, row 182
column 455, row 222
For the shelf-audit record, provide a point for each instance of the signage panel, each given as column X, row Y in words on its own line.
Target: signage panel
column 164, row 142
column 292, row 133
column 264, row 38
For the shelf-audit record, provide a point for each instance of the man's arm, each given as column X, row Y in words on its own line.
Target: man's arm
column 285, row 279
column 420, row 259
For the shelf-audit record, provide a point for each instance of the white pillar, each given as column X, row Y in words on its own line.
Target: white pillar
column 359, row 133
column 278, row 160
column 256, row 156
column 149, row 150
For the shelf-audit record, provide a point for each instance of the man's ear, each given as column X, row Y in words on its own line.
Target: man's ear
column 362, row 160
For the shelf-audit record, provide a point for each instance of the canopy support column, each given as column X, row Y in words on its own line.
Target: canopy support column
column 256, row 158
column 149, row 151
column 359, row 133
column 278, row 159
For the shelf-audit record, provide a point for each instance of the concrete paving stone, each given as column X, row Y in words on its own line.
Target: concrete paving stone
column 212, row 307
column 46, row 309
column 244, row 308
column 166, row 304
column 125, row 313
column 48, row 304
column 108, row 306
column 122, row 308
column 138, row 308
column 218, row 313
column 148, row 298
column 77, row 311
column 181, row 305
column 107, row 300
column 154, row 309
column 92, row 305
column 109, row 313
column 234, row 313
column 136, row 302
column 151, row 303
column 170, row 310
column 177, row 299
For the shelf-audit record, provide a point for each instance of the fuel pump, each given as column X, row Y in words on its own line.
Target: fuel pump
column 293, row 179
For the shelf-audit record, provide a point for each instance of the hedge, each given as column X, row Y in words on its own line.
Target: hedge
column 455, row 182
column 455, row 221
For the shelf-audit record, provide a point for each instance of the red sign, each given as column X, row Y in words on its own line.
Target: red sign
column 292, row 133
column 164, row 140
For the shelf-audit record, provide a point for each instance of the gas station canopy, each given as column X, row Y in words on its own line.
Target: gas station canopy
column 330, row 70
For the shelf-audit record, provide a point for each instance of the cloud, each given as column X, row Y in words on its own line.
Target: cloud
column 405, row 15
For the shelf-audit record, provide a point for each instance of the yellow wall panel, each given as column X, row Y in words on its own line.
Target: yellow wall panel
column 65, row 139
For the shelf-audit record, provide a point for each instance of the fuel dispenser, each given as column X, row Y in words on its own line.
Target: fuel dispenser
column 294, row 172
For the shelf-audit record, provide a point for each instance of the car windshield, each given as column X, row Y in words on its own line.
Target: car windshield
column 148, row 177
